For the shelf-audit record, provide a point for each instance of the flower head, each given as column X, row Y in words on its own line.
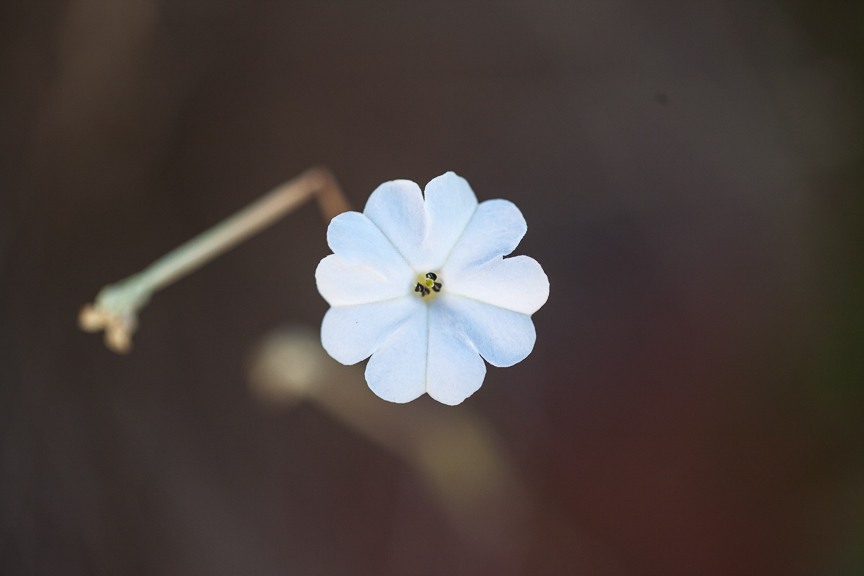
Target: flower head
column 422, row 286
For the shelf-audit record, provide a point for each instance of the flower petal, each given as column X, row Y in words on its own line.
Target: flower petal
column 344, row 284
column 450, row 204
column 502, row 337
column 351, row 333
column 397, row 370
column 397, row 209
column 516, row 283
column 495, row 230
column 356, row 239
column 455, row 369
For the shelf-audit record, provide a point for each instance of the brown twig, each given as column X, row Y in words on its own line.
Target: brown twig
column 116, row 307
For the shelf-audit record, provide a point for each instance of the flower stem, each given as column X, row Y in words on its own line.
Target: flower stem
column 116, row 306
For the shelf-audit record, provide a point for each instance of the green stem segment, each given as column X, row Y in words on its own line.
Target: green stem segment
column 116, row 307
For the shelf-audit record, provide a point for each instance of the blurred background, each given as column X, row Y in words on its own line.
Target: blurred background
column 692, row 174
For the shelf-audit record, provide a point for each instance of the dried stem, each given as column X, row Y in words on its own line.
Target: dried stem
column 116, row 307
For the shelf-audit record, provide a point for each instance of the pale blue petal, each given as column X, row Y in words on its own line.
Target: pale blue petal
column 502, row 337
column 397, row 209
column 397, row 370
column 495, row 229
column 351, row 333
column 356, row 239
column 344, row 284
column 516, row 283
column 450, row 204
column 455, row 369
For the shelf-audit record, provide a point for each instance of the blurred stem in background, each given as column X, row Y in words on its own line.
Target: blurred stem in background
column 836, row 380
column 453, row 450
column 836, row 383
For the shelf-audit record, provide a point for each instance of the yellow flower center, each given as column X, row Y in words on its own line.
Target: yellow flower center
column 428, row 285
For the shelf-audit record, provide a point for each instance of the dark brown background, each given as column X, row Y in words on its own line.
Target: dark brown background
column 691, row 173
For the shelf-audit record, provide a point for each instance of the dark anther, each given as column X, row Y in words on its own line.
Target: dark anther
column 431, row 276
column 419, row 288
column 436, row 287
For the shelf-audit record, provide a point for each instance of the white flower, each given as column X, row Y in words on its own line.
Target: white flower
column 424, row 288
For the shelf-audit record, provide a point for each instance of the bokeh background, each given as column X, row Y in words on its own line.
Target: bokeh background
column 692, row 177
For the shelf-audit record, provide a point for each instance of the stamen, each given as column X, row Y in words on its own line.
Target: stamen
column 427, row 283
